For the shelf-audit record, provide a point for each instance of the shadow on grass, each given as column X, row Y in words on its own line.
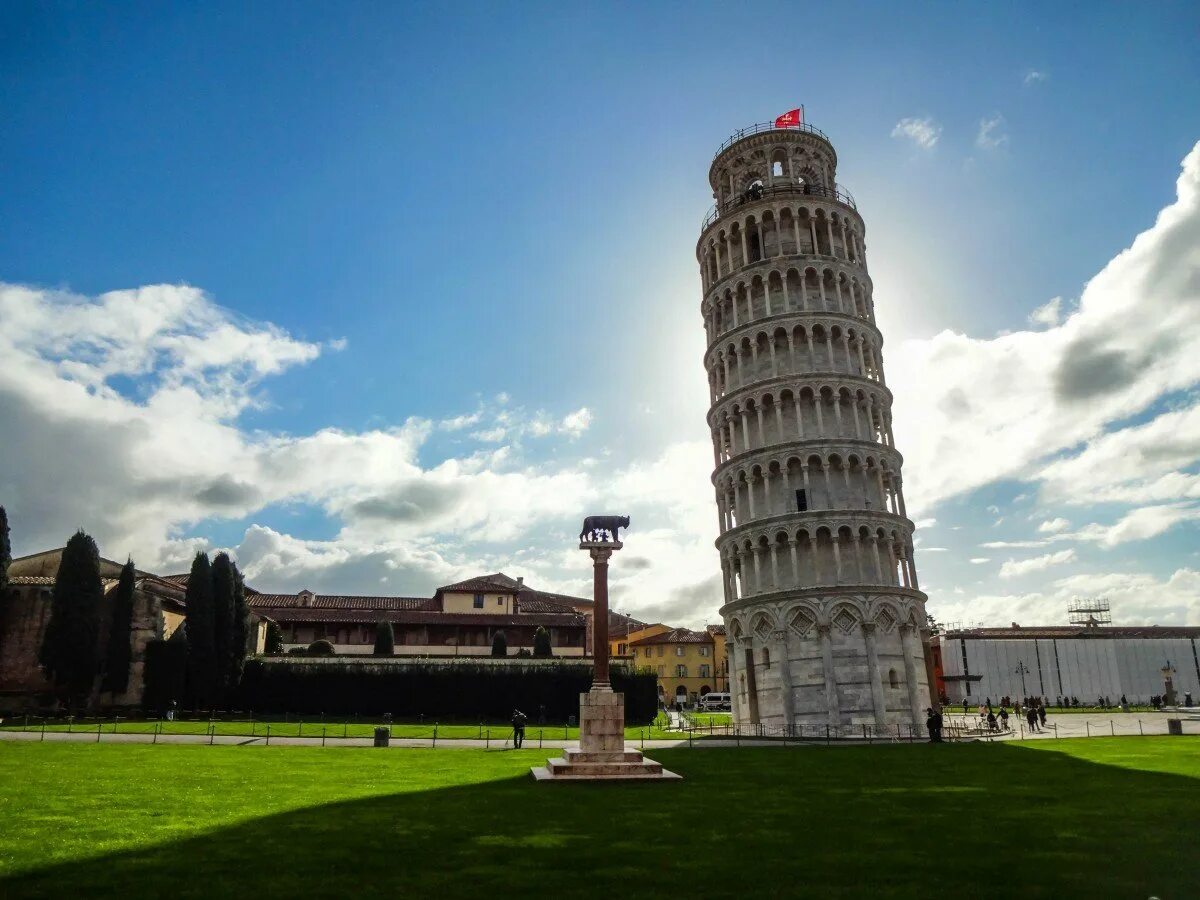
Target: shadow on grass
column 981, row 820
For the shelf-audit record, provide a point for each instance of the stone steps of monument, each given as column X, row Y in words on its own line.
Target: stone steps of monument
column 561, row 767
column 572, row 755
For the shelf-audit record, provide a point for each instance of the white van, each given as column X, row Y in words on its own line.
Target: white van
column 715, row 702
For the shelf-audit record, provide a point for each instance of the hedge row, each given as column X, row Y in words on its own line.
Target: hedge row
column 436, row 689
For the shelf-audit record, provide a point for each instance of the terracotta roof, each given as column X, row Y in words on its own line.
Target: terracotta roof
column 676, row 636
column 181, row 579
column 497, row 581
column 337, row 601
column 1048, row 632
column 541, row 601
column 293, row 614
column 48, row 581
column 715, row 629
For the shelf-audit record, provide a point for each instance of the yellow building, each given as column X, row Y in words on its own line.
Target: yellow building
column 689, row 663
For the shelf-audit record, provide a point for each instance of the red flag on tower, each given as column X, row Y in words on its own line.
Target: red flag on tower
column 791, row 118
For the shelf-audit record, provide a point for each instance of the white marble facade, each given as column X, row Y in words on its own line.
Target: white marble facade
column 825, row 618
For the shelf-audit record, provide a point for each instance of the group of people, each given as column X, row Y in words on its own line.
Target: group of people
column 1033, row 708
column 933, row 724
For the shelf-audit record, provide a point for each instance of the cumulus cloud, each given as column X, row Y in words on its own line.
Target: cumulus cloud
column 923, row 132
column 1137, row 599
column 1026, row 403
column 1053, row 526
column 991, row 134
column 980, row 560
column 1012, row 568
column 1049, row 314
column 1033, row 77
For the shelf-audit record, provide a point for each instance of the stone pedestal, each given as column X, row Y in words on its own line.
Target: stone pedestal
column 602, row 754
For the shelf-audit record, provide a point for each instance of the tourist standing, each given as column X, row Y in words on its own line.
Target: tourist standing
column 518, row 724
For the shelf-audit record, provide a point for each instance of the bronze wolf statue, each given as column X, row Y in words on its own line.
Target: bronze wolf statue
column 596, row 527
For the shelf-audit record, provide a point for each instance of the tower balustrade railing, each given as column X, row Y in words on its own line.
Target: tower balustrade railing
column 763, row 127
column 837, row 193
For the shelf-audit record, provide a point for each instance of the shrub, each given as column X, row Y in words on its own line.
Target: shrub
column 273, row 645
column 321, row 648
column 500, row 644
column 385, row 640
column 297, row 651
column 541, row 642
column 164, row 674
column 440, row 688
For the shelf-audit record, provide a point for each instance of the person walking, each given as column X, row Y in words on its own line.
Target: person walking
column 1003, row 719
column 518, row 724
column 1031, row 719
column 931, row 724
column 1041, row 714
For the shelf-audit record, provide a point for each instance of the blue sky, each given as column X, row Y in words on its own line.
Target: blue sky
column 407, row 216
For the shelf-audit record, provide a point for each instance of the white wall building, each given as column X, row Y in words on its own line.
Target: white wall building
column 1069, row 661
column 824, row 615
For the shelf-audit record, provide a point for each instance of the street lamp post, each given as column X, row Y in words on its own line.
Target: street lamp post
column 1022, row 670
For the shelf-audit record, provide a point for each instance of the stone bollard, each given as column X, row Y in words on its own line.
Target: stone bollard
column 383, row 735
column 1174, row 726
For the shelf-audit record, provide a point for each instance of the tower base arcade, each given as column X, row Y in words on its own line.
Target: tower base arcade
column 847, row 657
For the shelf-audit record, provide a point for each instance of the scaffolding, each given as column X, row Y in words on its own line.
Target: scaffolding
column 1089, row 611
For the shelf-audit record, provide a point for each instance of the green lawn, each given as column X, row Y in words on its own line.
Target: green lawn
column 498, row 732
column 1092, row 818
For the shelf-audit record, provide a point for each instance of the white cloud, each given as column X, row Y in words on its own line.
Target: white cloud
column 1013, row 568
column 1053, row 526
column 980, row 560
column 991, row 134
column 1139, row 524
column 1050, row 314
column 1033, row 77
column 1013, row 403
column 576, row 423
column 924, row 132
column 1137, row 599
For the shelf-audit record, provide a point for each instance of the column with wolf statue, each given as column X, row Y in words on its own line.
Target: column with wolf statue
column 602, row 754
column 601, row 712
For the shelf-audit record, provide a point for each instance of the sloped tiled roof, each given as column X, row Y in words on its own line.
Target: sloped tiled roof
column 676, row 636
column 715, row 629
column 337, row 601
column 497, row 581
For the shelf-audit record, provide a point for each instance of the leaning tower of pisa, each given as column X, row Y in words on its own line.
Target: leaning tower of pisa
column 825, row 621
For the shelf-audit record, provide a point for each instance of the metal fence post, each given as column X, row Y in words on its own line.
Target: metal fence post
column 268, row 744
column 98, row 727
column 487, row 741
column 322, row 735
column 212, row 733
column 1112, row 728
column 1140, row 729
column 43, row 729
column 1088, row 726
column 435, row 724
column 157, row 729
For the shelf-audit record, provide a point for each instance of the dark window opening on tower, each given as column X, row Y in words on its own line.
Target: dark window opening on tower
column 801, row 501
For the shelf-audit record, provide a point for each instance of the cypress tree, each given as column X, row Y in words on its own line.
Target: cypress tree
column 541, row 642
column 199, row 618
column 5, row 551
column 385, row 640
column 119, row 656
column 222, row 589
column 499, row 644
column 239, row 645
column 274, row 642
column 69, row 653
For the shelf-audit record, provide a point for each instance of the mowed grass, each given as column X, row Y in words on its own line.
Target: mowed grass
column 1090, row 818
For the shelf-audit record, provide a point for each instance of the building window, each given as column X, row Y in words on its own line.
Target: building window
column 801, row 501
column 704, row 651
column 499, row 601
column 679, row 651
column 649, row 651
column 479, row 601
column 660, row 651
column 704, row 671
column 662, row 670
column 766, row 658
column 892, row 679
column 681, row 671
